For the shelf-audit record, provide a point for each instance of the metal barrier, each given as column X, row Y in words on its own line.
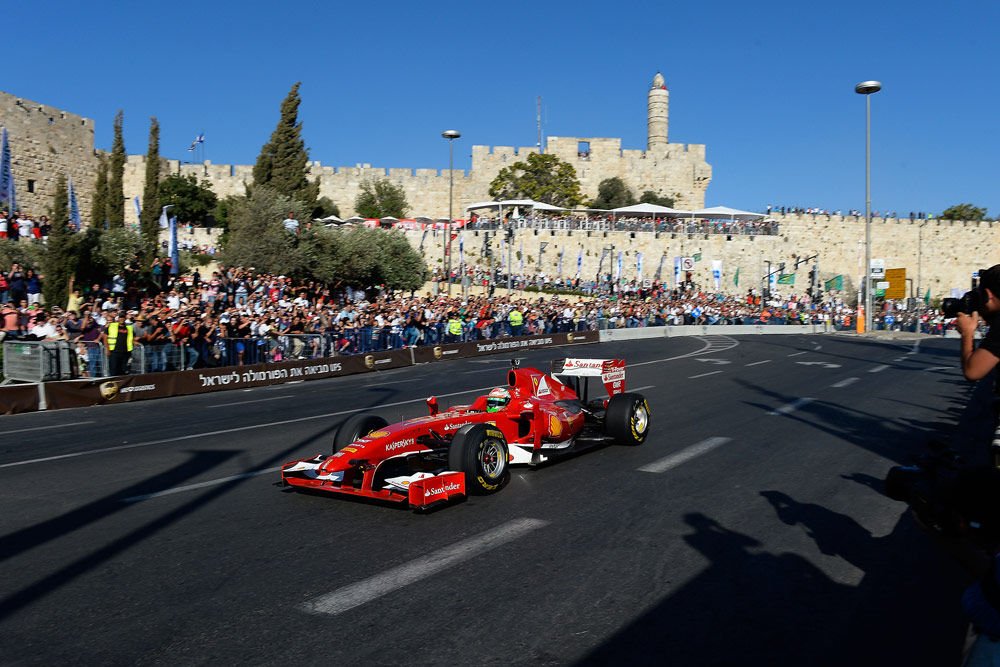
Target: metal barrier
column 38, row 361
column 93, row 357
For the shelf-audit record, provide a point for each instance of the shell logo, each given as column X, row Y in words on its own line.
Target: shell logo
column 555, row 426
column 378, row 434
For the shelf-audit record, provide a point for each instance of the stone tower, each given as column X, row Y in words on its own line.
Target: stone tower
column 659, row 114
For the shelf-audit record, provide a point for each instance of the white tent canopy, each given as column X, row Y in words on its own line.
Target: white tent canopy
column 718, row 212
column 507, row 203
column 647, row 209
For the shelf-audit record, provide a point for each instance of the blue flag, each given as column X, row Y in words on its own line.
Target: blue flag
column 561, row 251
column 6, row 179
column 638, row 265
column 74, row 209
column 461, row 249
column 579, row 262
column 175, row 260
column 164, row 223
column 618, row 268
column 13, row 195
column 138, row 208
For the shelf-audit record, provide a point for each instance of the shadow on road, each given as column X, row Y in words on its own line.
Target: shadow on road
column 199, row 462
column 757, row 608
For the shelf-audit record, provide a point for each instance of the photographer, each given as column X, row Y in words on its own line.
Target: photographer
column 985, row 303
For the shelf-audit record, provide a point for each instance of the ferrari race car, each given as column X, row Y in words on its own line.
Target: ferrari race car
column 470, row 448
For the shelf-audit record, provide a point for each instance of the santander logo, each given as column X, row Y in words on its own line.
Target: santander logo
column 451, row 486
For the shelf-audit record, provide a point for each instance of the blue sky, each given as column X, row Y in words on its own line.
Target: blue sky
column 767, row 86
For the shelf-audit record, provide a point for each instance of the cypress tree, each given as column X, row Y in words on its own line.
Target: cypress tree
column 116, row 178
column 60, row 256
column 283, row 163
column 150, row 222
column 99, row 210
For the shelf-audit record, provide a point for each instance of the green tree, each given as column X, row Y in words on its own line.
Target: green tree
column 612, row 193
column 381, row 198
column 116, row 177
column 60, row 261
column 325, row 207
column 650, row 197
column 544, row 178
column 964, row 212
column 115, row 250
column 256, row 237
column 99, row 209
column 192, row 201
column 149, row 223
column 283, row 163
column 364, row 257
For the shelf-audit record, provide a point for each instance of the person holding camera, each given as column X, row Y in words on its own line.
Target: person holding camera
column 983, row 302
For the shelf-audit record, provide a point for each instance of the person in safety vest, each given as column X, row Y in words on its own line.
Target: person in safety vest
column 121, row 339
column 516, row 319
column 454, row 328
column 498, row 399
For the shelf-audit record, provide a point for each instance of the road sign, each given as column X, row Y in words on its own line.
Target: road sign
column 878, row 269
column 882, row 284
column 687, row 263
column 896, row 289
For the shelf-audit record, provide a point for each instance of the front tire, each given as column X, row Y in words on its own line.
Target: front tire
column 627, row 419
column 480, row 451
column 355, row 428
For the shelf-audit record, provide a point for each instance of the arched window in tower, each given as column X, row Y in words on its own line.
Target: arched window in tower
column 583, row 150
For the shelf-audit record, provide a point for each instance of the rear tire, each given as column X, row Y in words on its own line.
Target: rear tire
column 480, row 451
column 355, row 428
column 627, row 419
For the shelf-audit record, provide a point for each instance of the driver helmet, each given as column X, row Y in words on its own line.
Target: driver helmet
column 497, row 399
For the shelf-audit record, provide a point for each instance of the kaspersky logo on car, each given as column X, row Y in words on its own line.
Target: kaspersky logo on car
column 451, row 486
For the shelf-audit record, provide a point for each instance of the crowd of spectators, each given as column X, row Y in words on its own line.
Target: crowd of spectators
column 237, row 316
column 20, row 226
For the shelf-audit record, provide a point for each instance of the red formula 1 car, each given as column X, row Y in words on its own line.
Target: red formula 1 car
column 469, row 448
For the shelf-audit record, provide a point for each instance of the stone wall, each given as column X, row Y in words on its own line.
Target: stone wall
column 46, row 144
column 937, row 254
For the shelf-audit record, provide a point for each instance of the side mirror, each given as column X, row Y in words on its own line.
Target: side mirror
column 432, row 405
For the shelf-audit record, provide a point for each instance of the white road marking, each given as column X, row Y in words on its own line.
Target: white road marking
column 939, row 368
column 824, row 364
column 795, row 354
column 647, row 386
column 372, row 588
column 685, row 455
column 710, row 346
column 757, row 363
column 878, row 369
column 380, row 384
column 692, row 377
column 791, row 407
column 717, row 362
column 43, row 428
column 256, row 400
column 200, row 485
column 916, row 347
column 846, row 382
column 238, row 429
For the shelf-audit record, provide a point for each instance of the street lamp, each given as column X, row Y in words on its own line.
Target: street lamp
column 867, row 88
column 450, row 135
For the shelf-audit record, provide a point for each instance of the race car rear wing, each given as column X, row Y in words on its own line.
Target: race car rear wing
column 611, row 371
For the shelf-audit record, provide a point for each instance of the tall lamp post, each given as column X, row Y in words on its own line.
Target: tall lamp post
column 450, row 135
column 867, row 88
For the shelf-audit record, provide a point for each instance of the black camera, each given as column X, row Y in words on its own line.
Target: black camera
column 971, row 301
column 968, row 303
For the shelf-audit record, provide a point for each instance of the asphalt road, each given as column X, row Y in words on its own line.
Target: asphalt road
column 749, row 529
